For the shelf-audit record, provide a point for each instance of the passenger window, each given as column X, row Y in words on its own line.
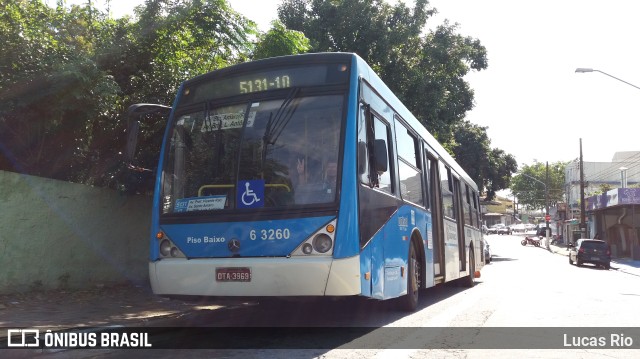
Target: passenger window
column 363, row 151
column 446, row 187
column 409, row 169
column 466, row 206
column 382, row 132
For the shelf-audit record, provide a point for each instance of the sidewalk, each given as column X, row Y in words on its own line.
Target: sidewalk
column 625, row 265
column 120, row 305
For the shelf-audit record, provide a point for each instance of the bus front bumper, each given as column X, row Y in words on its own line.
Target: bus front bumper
column 305, row 276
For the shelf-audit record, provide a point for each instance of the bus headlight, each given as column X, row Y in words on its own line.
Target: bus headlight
column 318, row 243
column 165, row 248
column 307, row 248
column 322, row 243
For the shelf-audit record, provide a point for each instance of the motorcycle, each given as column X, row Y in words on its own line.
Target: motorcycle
column 529, row 240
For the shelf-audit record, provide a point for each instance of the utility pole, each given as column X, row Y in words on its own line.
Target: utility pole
column 546, row 201
column 583, row 224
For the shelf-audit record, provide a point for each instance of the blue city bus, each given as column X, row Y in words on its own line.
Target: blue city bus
column 305, row 176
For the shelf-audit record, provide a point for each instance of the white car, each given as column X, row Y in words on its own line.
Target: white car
column 499, row 228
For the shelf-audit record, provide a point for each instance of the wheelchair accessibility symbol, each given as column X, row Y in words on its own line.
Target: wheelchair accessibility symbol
column 251, row 194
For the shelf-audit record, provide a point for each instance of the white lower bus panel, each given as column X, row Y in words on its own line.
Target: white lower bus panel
column 308, row 276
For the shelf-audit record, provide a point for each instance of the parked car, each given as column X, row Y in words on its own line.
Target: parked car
column 492, row 230
column 504, row 230
column 592, row 251
column 517, row 228
column 541, row 231
column 487, row 252
column 498, row 228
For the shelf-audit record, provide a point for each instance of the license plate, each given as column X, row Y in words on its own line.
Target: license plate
column 233, row 274
column 595, row 258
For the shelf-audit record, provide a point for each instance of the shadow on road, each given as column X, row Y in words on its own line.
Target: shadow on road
column 496, row 258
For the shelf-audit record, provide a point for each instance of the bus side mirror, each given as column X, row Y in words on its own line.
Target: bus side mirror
column 381, row 156
column 134, row 114
column 132, row 140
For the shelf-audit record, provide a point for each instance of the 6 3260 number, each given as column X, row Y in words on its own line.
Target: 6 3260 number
column 270, row 234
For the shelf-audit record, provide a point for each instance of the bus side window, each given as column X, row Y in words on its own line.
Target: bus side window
column 374, row 151
column 382, row 156
column 363, row 151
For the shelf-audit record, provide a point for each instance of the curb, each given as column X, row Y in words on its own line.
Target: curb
column 615, row 265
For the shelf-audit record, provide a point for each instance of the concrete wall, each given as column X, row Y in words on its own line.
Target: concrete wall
column 55, row 234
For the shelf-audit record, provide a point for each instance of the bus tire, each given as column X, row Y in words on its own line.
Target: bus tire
column 469, row 281
column 409, row 302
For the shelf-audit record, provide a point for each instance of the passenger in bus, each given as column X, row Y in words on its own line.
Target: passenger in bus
column 301, row 170
column 298, row 170
column 331, row 175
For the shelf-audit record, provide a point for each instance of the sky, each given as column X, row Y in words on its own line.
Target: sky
column 533, row 103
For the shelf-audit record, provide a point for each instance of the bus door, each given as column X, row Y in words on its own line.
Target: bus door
column 450, row 223
column 436, row 219
column 462, row 248
column 377, row 196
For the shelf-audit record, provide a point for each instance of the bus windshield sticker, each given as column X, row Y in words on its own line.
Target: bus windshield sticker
column 200, row 204
column 225, row 121
column 250, row 194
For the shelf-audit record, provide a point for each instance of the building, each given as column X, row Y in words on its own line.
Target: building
column 597, row 174
column 614, row 216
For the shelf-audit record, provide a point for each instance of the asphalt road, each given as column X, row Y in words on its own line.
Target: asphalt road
column 527, row 298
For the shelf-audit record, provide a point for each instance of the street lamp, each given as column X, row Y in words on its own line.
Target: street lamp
column 583, row 70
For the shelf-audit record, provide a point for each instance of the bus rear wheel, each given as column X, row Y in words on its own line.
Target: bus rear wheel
column 469, row 281
column 409, row 302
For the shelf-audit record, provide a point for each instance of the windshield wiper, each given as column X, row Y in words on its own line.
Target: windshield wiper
column 279, row 121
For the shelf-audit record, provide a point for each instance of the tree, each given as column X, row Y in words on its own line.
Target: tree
column 424, row 69
column 68, row 75
column 49, row 87
column 501, row 167
column 280, row 41
column 528, row 184
column 421, row 68
column 604, row 188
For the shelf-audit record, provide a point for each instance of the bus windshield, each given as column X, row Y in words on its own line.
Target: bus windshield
column 275, row 153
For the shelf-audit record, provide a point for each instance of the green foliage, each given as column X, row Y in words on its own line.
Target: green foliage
column 421, row 68
column 425, row 69
column 67, row 76
column 471, row 148
column 604, row 188
column 491, row 169
column 529, row 184
column 501, row 167
column 49, row 88
column 280, row 41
